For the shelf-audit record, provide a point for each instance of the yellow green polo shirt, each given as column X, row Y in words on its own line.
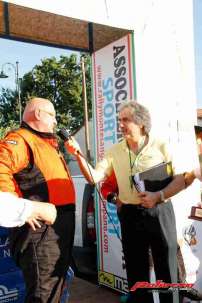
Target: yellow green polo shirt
column 117, row 158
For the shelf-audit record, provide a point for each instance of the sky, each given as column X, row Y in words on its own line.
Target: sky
column 28, row 57
column 198, row 48
column 102, row 13
column 11, row 51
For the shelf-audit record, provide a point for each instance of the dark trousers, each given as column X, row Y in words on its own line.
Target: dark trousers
column 45, row 260
column 153, row 228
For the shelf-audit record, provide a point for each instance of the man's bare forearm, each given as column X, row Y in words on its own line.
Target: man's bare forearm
column 91, row 174
column 174, row 187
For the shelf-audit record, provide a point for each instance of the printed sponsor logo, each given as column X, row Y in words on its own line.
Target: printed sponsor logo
column 113, row 281
column 11, row 142
column 106, row 278
column 8, row 295
column 120, row 284
column 4, row 241
column 4, row 247
column 159, row 285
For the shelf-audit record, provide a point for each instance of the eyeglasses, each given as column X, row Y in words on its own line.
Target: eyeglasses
column 49, row 113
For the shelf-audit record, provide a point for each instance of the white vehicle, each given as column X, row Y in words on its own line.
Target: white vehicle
column 84, row 250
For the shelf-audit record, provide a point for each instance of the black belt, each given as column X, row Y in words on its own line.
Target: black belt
column 139, row 206
column 66, row 207
column 136, row 206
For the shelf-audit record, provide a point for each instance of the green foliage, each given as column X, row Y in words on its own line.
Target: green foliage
column 60, row 81
column 4, row 130
column 9, row 107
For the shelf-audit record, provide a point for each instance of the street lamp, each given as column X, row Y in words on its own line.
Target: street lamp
column 3, row 75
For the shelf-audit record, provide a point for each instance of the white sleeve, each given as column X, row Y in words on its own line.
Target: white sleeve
column 14, row 211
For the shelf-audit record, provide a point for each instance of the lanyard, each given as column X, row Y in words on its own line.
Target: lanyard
column 131, row 168
column 130, row 160
column 143, row 143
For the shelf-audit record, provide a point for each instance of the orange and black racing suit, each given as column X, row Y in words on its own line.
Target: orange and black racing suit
column 31, row 166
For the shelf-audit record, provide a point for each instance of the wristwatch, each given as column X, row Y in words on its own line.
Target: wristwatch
column 111, row 198
column 162, row 197
column 188, row 178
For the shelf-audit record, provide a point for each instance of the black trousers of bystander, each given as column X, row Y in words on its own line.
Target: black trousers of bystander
column 144, row 228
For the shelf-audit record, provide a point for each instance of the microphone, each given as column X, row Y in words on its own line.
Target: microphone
column 64, row 134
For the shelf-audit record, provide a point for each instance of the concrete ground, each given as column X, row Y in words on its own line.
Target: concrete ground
column 82, row 291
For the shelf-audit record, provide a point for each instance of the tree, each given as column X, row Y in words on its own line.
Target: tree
column 9, row 110
column 4, row 130
column 60, row 81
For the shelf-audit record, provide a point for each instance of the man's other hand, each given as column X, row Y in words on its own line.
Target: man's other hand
column 41, row 212
column 148, row 199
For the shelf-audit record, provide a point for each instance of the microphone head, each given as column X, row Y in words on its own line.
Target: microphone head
column 64, row 134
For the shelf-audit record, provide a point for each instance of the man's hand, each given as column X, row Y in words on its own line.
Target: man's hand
column 189, row 177
column 149, row 199
column 72, row 146
column 33, row 223
column 43, row 212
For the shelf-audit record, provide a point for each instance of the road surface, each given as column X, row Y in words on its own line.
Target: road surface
column 82, row 291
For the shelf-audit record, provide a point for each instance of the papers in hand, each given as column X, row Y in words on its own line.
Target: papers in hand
column 153, row 179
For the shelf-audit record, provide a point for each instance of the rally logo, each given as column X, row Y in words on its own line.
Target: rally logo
column 106, row 278
column 11, row 142
column 8, row 295
column 113, row 281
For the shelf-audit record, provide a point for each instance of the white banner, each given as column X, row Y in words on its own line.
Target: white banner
column 113, row 82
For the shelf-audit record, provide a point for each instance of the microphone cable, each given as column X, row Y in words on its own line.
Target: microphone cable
column 65, row 136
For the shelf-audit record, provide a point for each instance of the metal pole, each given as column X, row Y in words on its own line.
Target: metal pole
column 86, row 126
column 18, row 91
column 17, row 83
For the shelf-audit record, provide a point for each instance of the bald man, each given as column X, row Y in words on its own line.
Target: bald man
column 33, row 168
